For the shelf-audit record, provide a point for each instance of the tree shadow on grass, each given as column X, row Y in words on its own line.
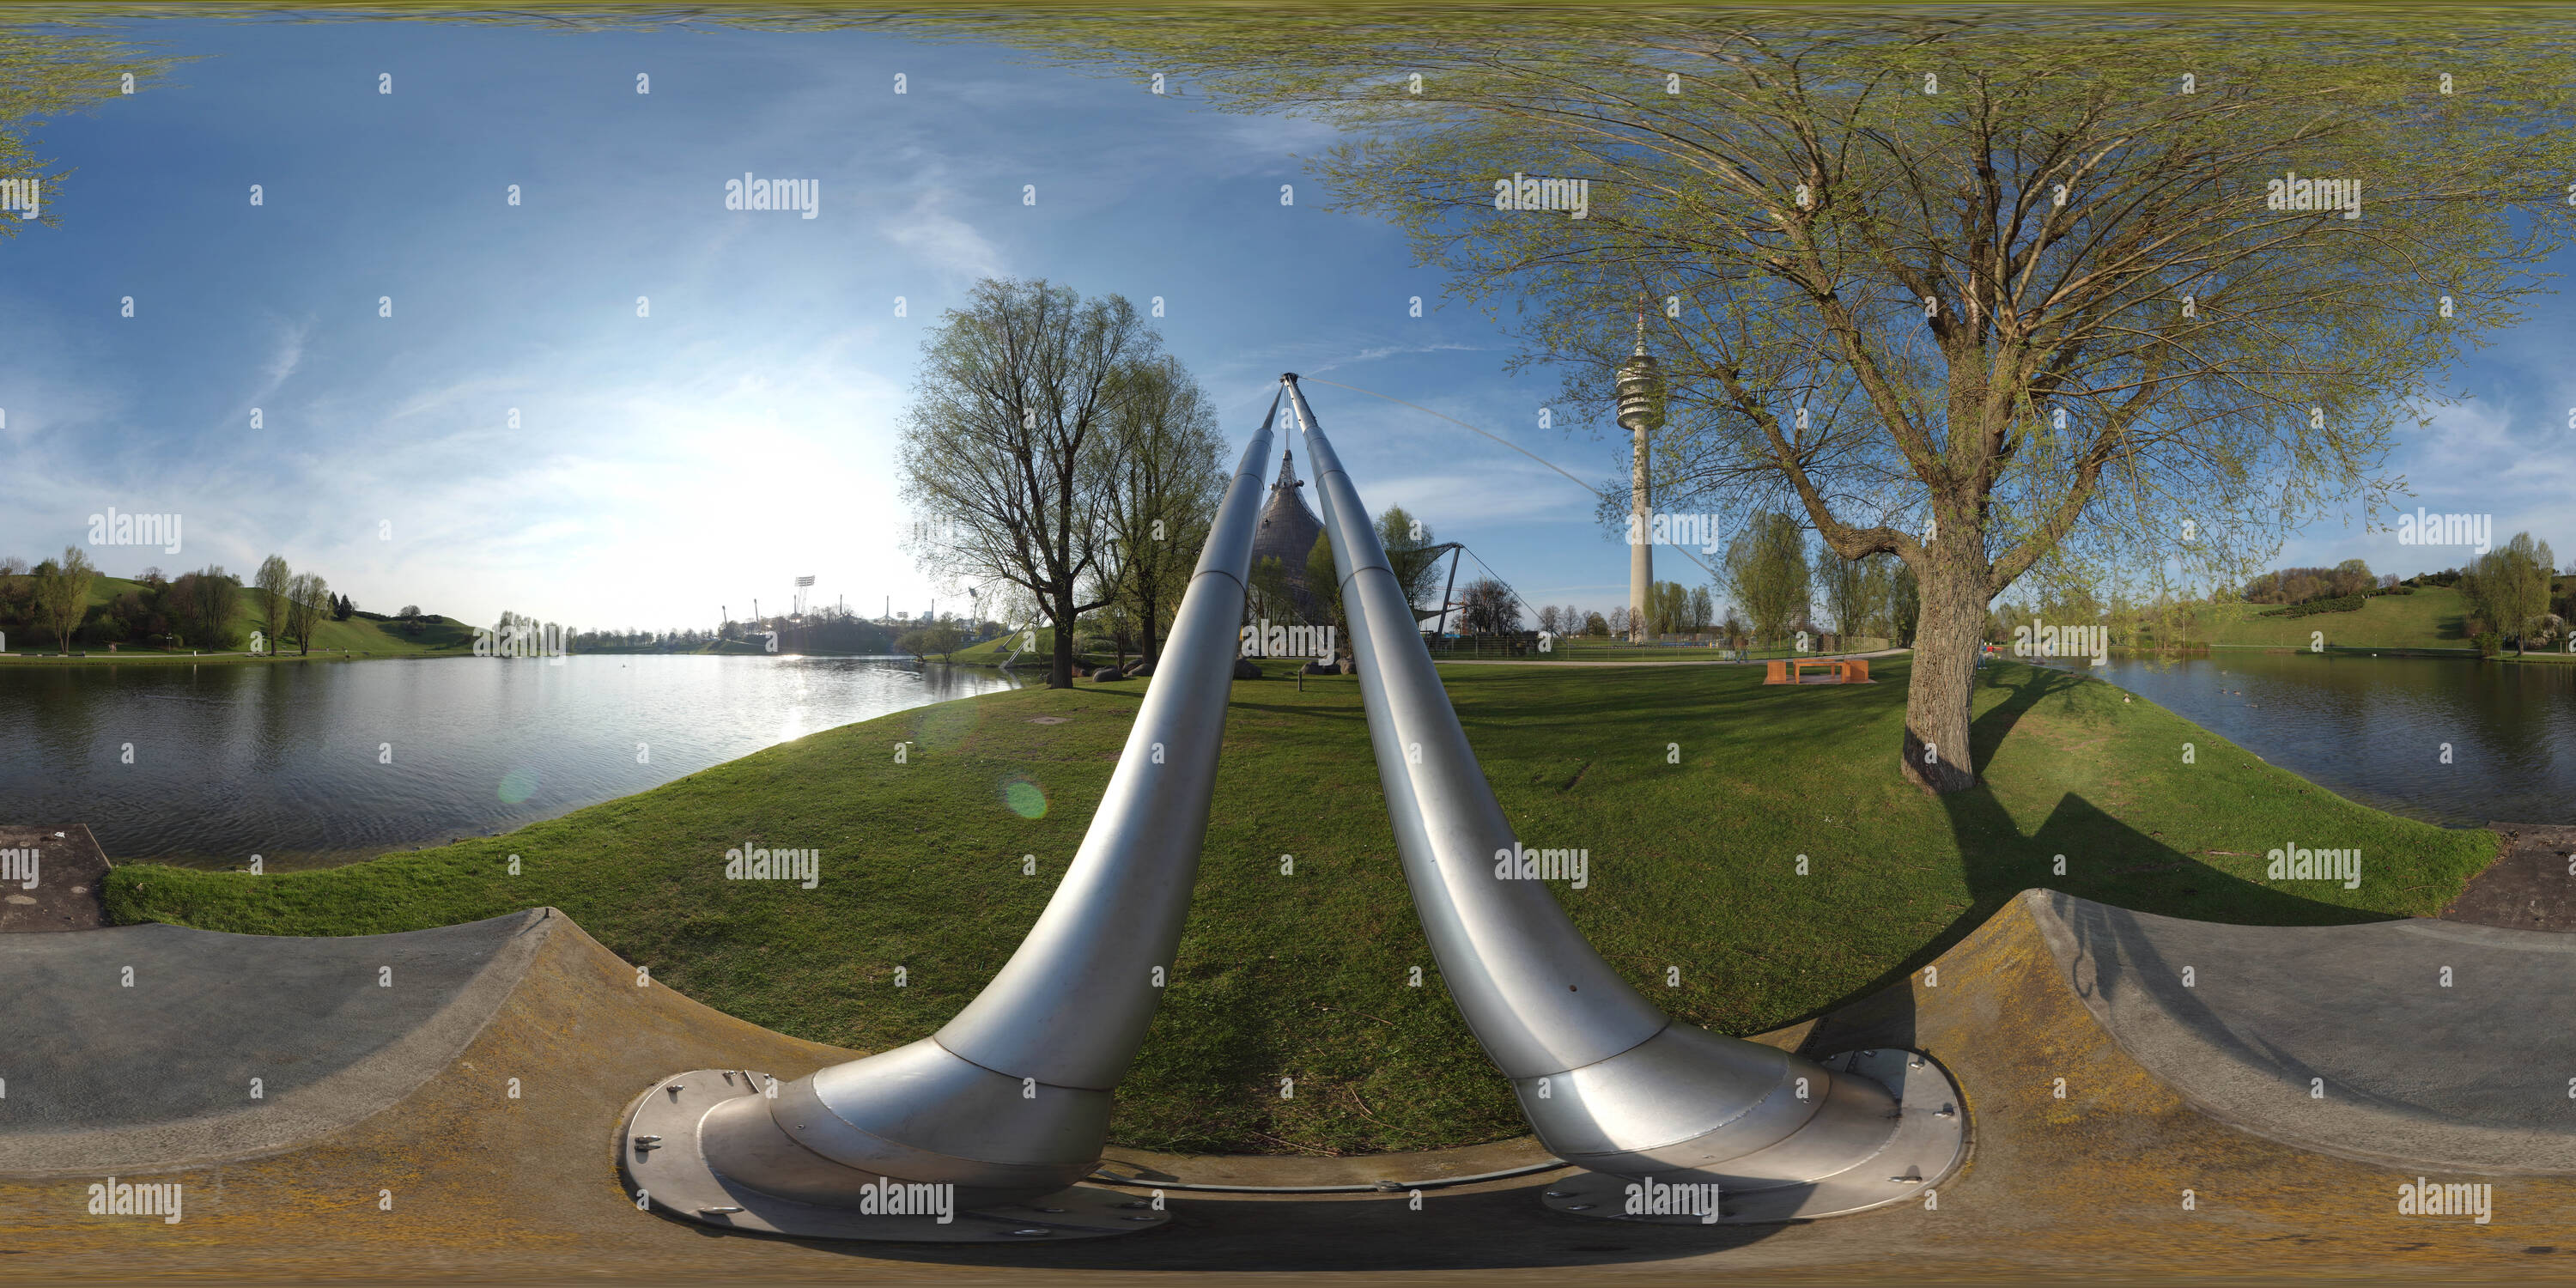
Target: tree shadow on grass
column 2105, row 860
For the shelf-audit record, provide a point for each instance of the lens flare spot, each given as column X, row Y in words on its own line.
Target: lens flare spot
column 517, row 786
column 1026, row 799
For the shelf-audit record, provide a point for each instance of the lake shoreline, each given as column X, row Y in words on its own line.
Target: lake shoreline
column 2459, row 747
column 203, row 766
column 206, row 659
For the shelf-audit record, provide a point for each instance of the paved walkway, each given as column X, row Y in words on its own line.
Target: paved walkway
column 2050, row 994
column 2532, row 886
column 136, row 1047
column 2413, row 1044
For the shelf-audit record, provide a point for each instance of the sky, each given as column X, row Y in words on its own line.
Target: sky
column 666, row 468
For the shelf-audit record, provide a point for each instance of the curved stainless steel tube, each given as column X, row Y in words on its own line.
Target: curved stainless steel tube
column 1607, row 1080
column 1011, row 1099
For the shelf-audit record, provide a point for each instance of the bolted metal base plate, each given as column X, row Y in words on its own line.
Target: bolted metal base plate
column 1930, row 1141
column 658, row 1153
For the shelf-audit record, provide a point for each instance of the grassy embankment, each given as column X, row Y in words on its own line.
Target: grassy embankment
column 355, row 637
column 1304, row 975
column 992, row 652
column 2432, row 620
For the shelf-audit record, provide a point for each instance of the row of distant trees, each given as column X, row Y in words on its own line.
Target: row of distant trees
column 828, row 629
column 2299, row 585
column 1776, row 588
column 200, row 609
column 1771, row 585
column 2510, row 595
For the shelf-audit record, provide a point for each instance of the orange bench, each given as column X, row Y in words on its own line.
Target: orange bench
column 1850, row 670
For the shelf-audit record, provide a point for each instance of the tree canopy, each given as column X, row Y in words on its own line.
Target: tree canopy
column 1975, row 290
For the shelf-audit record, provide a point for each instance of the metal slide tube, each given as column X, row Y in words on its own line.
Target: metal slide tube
column 1607, row 1081
column 1011, row 1099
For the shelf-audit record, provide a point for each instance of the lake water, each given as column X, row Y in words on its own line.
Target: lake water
column 2373, row 728
column 286, row 760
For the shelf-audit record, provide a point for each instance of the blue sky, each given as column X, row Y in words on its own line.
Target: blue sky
column 745, row 433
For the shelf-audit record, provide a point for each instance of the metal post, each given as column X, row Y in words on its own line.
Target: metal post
column 1607, row 1080
column 1007, row 1104
column 1455, row 553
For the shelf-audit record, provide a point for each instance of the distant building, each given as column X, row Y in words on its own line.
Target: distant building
column 1287, row 533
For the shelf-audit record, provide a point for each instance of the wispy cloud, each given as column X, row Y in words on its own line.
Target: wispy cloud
column 283, row 363
column 1392, row 350
column 934, row 233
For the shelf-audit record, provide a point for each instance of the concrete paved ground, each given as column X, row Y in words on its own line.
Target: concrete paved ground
column 2410, row 1043
column 2080, row 1164
column 62, row 890
column 139, row 1046
column 2532, row 886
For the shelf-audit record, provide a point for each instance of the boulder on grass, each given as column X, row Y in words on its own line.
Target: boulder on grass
column 1320, row 668
column 1106, row 674
column 1139, row 667
column 1246, row 669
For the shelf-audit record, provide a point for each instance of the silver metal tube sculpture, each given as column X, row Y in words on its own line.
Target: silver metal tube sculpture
column 1607, row 1080
column 1010, row 1100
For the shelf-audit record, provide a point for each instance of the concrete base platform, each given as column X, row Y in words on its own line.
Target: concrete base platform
column 2090, row 1160
column 662, row 1156
column 1928, row 1144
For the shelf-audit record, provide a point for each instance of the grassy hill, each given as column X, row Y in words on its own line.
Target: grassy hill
column 2431, row 618
column 356, row 635
column 1693, row 865
column 993, row 651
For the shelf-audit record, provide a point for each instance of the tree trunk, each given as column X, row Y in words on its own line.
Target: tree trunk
column 1145, row 641
column 1060, row 671
column 1947, row 635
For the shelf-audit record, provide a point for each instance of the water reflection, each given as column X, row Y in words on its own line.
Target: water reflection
column 2456, row 742
column 329, row 762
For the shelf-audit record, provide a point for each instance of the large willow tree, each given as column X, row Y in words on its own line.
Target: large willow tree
column 1992, row 294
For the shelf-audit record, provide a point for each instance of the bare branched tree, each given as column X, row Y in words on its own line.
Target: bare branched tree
column 1005, row 456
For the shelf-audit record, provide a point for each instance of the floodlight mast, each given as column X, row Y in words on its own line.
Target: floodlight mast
column 1606, row 1079
column 1009, row 1100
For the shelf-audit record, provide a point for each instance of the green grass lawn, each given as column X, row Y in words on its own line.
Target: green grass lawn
column 1693, row 864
